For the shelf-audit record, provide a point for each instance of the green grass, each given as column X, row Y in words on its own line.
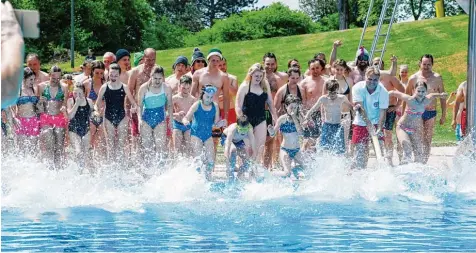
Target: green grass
column 445, row 38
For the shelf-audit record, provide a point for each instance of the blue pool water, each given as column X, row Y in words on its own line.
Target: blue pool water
column 405, row 208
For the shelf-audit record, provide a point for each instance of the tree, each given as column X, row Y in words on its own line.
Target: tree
column 184, row 13
column 121, row 25
column 219, row 9
column 423, row 9
column 318, row 9
column 343, row 7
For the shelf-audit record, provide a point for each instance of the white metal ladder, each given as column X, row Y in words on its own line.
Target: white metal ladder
column 382, row 19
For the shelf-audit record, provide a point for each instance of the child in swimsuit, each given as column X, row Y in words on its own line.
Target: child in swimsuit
column 25, row 118
column 155, row 101
column 115, row 93
column 205, row 114
column 236, row 138
column 332, row 137
column 410, row 125
column 289, row 125
column 182, row 102
column 80, row 109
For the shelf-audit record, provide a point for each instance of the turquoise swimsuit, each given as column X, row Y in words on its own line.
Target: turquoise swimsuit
column 154, row 107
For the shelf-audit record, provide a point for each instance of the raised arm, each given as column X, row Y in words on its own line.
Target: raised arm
column 333, row 58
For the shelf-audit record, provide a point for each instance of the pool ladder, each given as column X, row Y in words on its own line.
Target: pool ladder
column 383, row 18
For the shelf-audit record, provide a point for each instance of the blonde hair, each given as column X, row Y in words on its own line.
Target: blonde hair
column 372, row 70
column 251, row 70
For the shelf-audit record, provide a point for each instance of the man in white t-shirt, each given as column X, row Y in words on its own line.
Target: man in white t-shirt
column 372, row 99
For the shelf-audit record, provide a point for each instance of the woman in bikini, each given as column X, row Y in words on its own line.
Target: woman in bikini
column 253, row 94
column 115, row 122
column 410, row 125
column 204, row 114
column 93, row 85
column 155, row 101
column 25, row 118
column 80, row 109
column 53, row 122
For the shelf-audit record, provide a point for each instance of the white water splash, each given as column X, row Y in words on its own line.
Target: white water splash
column 31, row 187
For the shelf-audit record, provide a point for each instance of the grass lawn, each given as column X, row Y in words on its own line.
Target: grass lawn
column 445, row 38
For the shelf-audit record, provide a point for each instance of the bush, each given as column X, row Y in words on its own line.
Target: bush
column 163, row 35
column 273, row 21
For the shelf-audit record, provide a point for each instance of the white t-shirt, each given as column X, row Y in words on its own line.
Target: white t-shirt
column 372, row 103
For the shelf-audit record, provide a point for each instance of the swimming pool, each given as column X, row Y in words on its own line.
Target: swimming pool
column 405, row 208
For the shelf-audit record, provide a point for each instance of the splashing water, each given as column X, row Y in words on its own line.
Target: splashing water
column 176, row 209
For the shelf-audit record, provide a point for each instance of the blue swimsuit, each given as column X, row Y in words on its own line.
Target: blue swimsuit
column 154, row 108
column 203, row 122
column 289, row 127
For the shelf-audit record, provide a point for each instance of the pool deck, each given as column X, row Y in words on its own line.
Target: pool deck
column 441, row 157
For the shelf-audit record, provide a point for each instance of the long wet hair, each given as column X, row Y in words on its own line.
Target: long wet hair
column 251, row 70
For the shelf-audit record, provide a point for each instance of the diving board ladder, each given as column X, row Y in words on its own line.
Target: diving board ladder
column 383, row 18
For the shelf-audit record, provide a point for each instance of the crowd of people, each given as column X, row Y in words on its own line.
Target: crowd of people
column 117, row 113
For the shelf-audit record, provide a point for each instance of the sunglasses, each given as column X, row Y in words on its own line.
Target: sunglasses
column 200, row 61
column 363, row 58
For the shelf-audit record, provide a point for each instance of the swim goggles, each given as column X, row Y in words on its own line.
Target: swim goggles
column 210, row 90
column 243, row 130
